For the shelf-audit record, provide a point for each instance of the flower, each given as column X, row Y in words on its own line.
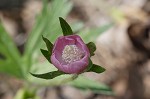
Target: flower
column 70, row 54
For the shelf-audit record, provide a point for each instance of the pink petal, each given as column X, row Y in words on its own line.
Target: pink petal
column 74, row 67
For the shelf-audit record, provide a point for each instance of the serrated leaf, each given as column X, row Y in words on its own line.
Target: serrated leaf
column 96, row 68
column 49, row 75
column 92, row 48
column 48, row 44
column 84, row 83
column 46, row 54
column 65, row 27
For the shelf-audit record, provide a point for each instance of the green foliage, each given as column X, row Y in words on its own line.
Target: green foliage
column 46, row 54
column 86, row 84
column 49, row 45
column 10, row 63
column 96, row 68
column 92, row 48
column 26, row 94
column 65, row 27
column 47, row 24
column 49, row 75
column 67, row 31
column 89, row 65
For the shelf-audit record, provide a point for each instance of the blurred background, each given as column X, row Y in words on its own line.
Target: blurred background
column 119, row 28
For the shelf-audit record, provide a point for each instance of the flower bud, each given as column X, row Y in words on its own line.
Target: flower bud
column 70, row 54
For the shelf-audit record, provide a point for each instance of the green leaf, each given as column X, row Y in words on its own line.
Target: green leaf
column 65, row 27
column 49, row 75
column 89, row 65
column 45, row 67
column 46, row 54
column 48, row 44
column 11, row 64
column 2, row 57
column 7, row 46
column 84, row 83
column 46, row 24
column 92, row 48
column 10, row 68
column 26, row 93
column 96, row 68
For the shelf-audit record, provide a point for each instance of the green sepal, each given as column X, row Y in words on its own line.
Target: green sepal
column 46, row 54
column 66, row 29
column 49, row 75
column 96, row 68
column 89, row 65
column 49, row 45
column 92, row 48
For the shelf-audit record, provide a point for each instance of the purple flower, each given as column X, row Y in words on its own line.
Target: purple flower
column 70, row 54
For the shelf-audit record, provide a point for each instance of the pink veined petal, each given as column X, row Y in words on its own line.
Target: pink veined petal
column 56, row 63
column 74, row 67
column 59, row 45
column 61, row 42
column 82, row 45
column 79, row 42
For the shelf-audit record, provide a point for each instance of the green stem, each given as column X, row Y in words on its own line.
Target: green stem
column 73, row 77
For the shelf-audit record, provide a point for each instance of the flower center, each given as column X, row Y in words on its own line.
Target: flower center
column 72, row 53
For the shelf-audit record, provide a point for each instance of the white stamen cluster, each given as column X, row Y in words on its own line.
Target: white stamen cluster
column 71, row 53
